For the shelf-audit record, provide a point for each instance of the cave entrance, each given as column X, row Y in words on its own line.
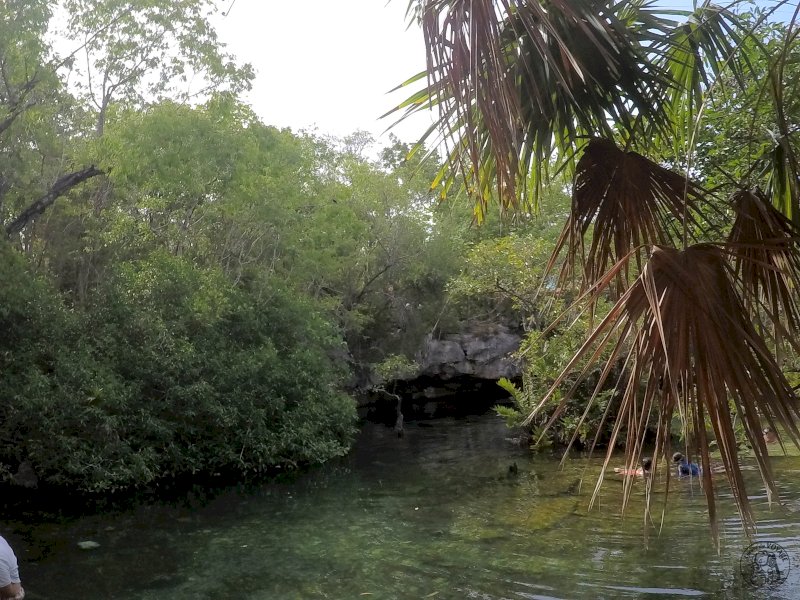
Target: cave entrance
column 430, row 397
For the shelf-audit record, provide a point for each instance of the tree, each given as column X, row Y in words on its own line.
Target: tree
column 34, row 112
column 606, row 91
column 22, row 55
column 745, row 137
column 220, row 266
column 145, row 51
column 128, row 55
column 367, row 239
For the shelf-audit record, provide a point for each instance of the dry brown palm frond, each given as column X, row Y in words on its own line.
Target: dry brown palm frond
column 764, row 245
column 625, row 201
column 691, row 350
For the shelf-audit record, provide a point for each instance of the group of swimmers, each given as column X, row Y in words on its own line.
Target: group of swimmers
column 683, row 466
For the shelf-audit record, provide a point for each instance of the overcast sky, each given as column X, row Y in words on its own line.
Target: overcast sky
column 330, row 63
column 326, row 64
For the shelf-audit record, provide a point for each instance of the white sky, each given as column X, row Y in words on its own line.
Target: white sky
column 326, row 64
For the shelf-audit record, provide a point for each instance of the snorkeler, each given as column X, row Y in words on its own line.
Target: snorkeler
column 685, row 468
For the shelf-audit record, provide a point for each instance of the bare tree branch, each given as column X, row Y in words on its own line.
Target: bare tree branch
column 17, row 103
column 60, row 187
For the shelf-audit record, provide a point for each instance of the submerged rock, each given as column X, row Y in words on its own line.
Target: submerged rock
column 88, row 545
column 25, row 476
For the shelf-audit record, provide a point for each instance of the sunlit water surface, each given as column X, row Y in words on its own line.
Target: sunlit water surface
column 435, row 514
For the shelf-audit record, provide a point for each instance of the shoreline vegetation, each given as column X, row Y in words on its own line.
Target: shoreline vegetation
column 188, row 294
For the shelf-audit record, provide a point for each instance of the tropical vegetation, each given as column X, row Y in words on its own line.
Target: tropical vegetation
column 187, row 291
column 676, row 133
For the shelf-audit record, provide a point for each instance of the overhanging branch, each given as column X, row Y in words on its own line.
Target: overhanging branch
column 62, row 185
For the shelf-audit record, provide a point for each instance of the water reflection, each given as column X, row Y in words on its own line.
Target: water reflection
column 436, row 514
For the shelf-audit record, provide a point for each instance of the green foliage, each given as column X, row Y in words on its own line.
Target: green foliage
column 194, row 309
column 395, row 367
column 545, row 357
column 142, row 51
column 219, row 269
column 512, row 414
column 368, row 242
column 504, row 278
column 50, row 381
column 182, row 373
column 510, row 387
column 232, row 378
column 748, row 131
column 34, row 109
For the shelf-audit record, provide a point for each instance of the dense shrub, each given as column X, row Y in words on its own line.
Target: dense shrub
column 171, row 370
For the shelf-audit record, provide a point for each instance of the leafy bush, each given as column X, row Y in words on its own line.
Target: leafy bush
column 171, row 371
column 545, row 356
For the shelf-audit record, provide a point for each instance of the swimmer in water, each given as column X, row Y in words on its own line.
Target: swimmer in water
column 644, row 471
column 770, row 437
column 685, row 468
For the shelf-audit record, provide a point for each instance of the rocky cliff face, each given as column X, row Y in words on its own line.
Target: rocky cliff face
column 457, row 374
column 479, row 352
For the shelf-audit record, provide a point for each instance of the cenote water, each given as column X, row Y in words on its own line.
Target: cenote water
column 435, row 514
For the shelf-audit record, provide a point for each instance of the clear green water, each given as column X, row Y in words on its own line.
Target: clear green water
column 432, row 515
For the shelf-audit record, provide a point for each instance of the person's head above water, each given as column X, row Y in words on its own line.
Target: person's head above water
column 647, row 464
column 770, row 436
column 684, row 466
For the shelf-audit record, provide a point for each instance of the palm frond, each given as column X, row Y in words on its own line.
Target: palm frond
column 691, row 351
column 695, row 53
column 784, row 165
column 625, row 201
column 516, row 80
column 780, row 168
column 783, row 180
column 764, row 248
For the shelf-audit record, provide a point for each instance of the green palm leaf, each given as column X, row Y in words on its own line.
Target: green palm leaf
column 516, row 81
column 695, row 54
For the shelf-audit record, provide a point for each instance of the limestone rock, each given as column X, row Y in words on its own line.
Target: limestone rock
column 483, row 353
